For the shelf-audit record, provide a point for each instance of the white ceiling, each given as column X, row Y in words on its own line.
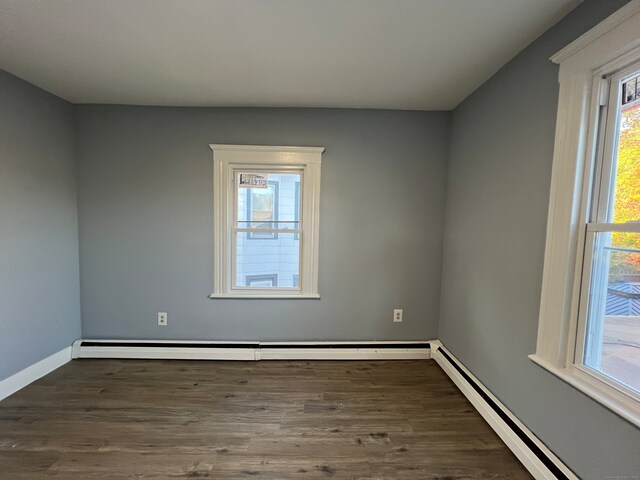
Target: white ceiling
column 404, row 54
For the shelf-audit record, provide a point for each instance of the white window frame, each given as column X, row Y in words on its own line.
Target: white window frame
column 229, row 158
column 605, row 49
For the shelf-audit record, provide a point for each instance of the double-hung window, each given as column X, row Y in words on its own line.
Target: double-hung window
column 589, row 327
column 609, row 312
column 266, row 217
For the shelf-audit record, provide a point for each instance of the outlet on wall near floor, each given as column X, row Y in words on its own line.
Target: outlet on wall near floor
column 397, row 315
column 162, row 318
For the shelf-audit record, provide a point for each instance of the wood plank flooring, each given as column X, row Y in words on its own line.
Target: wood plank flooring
column 131, row 419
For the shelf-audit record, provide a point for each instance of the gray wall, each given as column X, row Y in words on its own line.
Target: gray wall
column 39, row 291
column 497, row 198
column 145, row 206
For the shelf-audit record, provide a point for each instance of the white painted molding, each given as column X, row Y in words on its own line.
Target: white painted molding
column 228, row 160
column 613, row 38
column 611, row 22
column 527, row 457
column 274, row 295
column 19, row 380
column 264, row 148
column 564, row 219
column 253, row 351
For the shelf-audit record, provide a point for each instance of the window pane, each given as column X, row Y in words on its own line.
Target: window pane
column 613, row 326
column 274, row 206
column 269, row 280
column 626, row 192
column 267, row 263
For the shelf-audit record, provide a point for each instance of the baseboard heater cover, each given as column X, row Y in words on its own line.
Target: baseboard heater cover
column 254, row 350
column 533, row 454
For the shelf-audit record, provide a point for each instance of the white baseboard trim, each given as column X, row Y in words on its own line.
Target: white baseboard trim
column 19, row 380
column 532, row 453
column 188, row 350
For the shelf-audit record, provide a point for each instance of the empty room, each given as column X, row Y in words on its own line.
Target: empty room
column 320, row 239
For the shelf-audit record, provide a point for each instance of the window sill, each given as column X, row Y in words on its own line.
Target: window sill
column 313, row 296
column 616, row 401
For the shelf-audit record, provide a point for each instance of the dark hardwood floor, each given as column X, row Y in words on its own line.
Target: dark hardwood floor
column 129, row 419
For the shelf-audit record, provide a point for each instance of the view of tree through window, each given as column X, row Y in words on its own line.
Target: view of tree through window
column 626, row 204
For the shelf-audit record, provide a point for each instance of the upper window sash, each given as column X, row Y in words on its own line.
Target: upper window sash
column 274, row 225
column 605, row 170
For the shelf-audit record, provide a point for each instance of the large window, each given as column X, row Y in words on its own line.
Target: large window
column 589, row 327
column 609, row 317
column 266, row 210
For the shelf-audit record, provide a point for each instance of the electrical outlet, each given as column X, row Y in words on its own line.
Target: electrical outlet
column 162, row 318
column 397, row 315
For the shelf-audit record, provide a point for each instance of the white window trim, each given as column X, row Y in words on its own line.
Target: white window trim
column 226, row 158
column 603, row 49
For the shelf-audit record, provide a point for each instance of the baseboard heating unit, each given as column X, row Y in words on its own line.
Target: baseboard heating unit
column 253, row 350
column 541, row 462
